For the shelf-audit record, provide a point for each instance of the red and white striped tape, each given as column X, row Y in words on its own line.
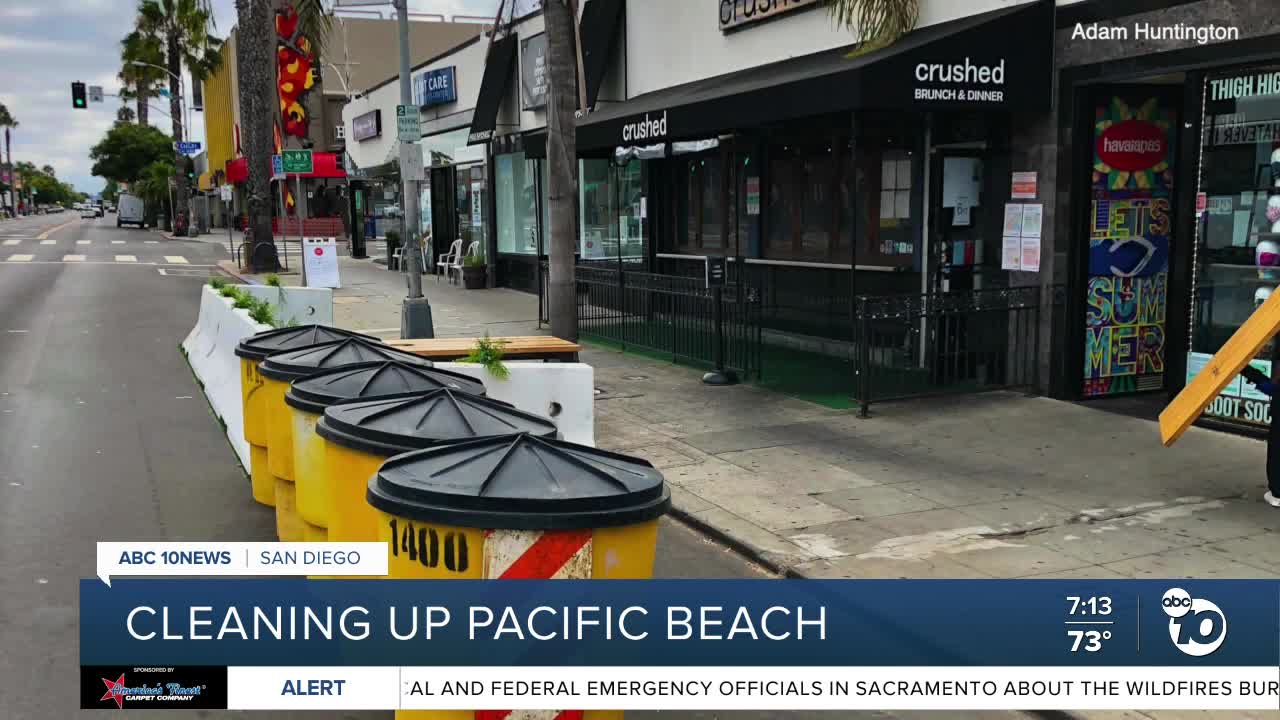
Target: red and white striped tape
column 536, row 555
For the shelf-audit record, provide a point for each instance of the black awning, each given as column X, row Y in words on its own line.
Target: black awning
column 999, row 61
column 499, row 65
column 600, row 22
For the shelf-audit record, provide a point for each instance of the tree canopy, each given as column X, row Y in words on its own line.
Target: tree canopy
column 127, row 149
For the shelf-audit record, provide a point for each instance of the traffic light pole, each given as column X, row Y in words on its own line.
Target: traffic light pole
column 415, row 313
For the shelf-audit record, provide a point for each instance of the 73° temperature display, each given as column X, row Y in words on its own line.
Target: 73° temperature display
column 1088, row 623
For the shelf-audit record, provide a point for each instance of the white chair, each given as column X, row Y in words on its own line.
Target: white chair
column 445, row 261
column 398, row 256
column 472, row 249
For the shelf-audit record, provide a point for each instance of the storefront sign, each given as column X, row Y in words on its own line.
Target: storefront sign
column 739, row 13
column 477, row 204
column 965, row 81
column 435, row 87
column 1240, row 400
column 1245, row 86
column 753, row 196
column 1132, row 145
column 1130, row 237
column 367, row 126
column 646, row 129
column 533, row 72
column 1024, row 186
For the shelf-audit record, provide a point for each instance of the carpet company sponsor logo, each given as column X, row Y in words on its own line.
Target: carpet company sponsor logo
column 1132, row 145
column 645, row 129
column 118, row 692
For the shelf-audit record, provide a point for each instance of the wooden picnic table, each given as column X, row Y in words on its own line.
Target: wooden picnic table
column 528, row 347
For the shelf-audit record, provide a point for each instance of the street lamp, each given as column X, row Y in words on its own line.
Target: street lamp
column 186, row 119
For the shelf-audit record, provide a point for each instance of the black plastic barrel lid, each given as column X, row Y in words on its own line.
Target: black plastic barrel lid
column 389, row 426
column 293, row 364
column 375, row 380
column 520, row 482
column 257, row 347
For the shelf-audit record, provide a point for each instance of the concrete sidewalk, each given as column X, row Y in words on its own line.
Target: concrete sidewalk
column 989, row 485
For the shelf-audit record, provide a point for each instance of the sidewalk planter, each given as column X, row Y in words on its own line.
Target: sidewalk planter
column 210, row 350
column 303, row 305
column 307, row 400
column 280, row 369
column 474, row 277
column 252, row 351
column 518, row 507
column 563, row 392
column 360, row 436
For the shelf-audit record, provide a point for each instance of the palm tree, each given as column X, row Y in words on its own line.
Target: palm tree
column 8, row 122
column 125, row 114
column 141, row 82
column 184, row 27
column 259, row 105
column 153, row 187
column 562, row 165
column 878, row 22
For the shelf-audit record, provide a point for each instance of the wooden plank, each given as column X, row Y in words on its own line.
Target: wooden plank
column 1221, row 369
column 512, row 346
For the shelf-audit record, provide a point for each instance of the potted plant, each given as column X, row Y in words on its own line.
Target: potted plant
column 473, row 272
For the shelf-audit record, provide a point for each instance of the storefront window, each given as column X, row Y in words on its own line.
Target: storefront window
column 517, row 204
column 701, row 218
column 1237, row 259
column 886, row 226
column 612, row 210
column 802, row 212
column 470, row 201
column 445, row 148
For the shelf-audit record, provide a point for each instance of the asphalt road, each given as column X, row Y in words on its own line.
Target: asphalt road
column 104, row 435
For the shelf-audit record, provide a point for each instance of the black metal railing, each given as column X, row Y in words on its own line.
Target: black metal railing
column 672, row 317
column 964, row 341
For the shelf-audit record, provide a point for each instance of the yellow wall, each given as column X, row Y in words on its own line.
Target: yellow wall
column 219, row 135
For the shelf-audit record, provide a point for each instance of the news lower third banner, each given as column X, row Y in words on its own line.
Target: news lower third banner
column 278, row 644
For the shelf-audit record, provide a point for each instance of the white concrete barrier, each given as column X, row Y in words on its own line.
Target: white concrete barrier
column 564, row 392
column 210, row 349
column 304, row 305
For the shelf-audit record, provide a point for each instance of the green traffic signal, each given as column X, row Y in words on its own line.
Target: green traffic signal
column 78, row 99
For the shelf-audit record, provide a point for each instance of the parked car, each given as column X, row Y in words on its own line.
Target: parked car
column 130, row 211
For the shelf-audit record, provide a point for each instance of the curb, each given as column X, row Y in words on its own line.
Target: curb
column 236, row 275
column 753, row 555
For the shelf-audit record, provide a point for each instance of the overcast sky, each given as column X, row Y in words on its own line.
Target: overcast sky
column 45, row 45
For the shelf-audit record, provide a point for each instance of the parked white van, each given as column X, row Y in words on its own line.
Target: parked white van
column 130, row 211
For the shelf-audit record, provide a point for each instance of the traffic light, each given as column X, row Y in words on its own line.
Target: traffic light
column 190, row 166
column 78, row 99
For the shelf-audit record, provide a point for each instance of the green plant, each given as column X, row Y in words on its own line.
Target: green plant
column 273, row 280
column 228, row 291
column 473, row 261
column 488, row 352
column 217, row 283
column 244, row 301
column 262, row 313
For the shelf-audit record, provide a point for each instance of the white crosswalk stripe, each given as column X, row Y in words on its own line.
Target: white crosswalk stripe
column 12, row 242
column 152, row 242
column 72, row 258
column 175, row 259
column 84, row 242
column 126, row 258
column 20, row 258
column 117, row 242
column 48, row 242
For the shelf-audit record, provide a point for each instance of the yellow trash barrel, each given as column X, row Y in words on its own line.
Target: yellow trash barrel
column 280, row 369
column 251, row 351
column 308, row 397
column 517, row 507
column 359, row 436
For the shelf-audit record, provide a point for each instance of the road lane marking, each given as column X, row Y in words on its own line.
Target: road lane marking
column 152, row 242
column 72, row 258
column 176, row 259
column 12, row 242
column 117, row 242
column 54, row 229
column 127, row 258
column 48, row 242
column 20, row 258
column 84, row 242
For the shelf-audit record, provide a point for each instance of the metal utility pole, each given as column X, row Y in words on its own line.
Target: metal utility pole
column 415, row 313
